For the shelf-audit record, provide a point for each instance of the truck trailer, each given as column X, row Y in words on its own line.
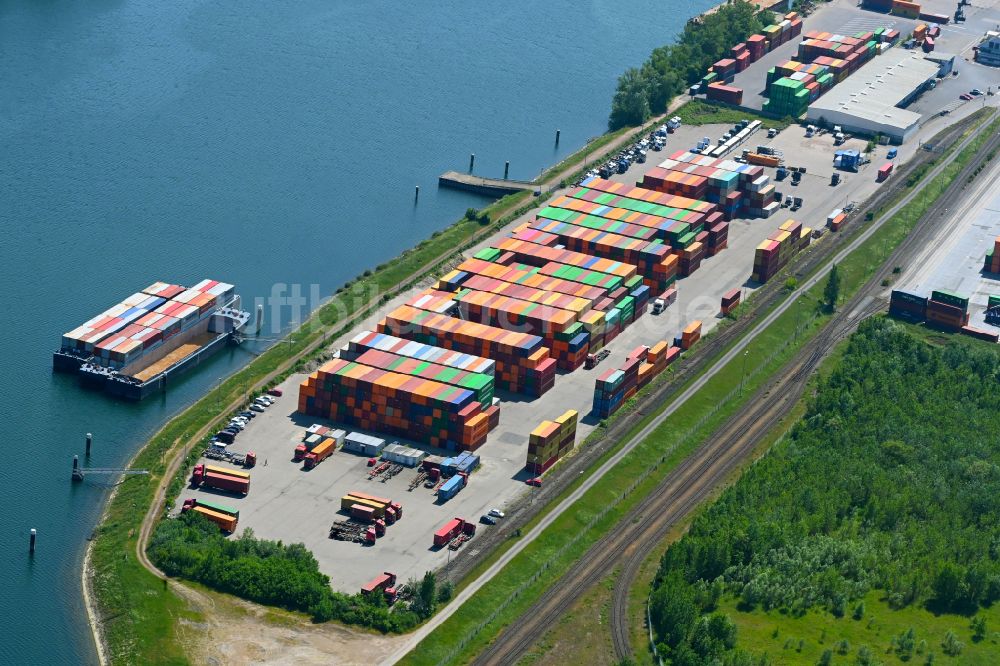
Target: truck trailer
column 385, row 583
column 225, row 522
column 229, row 472
column 450, row 530
column 206, row 475
column 320, row 453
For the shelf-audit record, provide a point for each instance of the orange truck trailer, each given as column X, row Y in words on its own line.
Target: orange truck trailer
column 320, row 453
column 225, row 521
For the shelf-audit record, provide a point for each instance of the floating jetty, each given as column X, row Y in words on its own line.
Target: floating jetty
column 488, row 186
column 132, row 349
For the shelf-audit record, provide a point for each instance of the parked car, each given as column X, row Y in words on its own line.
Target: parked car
column 487, row 519
column 248, row 414
column 965, row 96
column 256, row 408
column 275, row 392
column 496, row 513
column 975, row 92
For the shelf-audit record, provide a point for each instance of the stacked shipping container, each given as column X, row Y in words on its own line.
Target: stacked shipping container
column 522, row 362
column 732, row 186
column 992, row 263
column 550, row 441
column 782, row 245
column 948, row 310
column 143, row 321
column 411, row 406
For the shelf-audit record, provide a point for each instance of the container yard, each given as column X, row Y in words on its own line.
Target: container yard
column 464, row 393
column 132, row 349
column 410, row 373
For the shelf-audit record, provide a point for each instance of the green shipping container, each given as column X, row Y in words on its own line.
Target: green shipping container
column 488, row 254
column 950, row 298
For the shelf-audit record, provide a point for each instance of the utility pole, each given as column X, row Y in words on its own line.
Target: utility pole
column 743, row 376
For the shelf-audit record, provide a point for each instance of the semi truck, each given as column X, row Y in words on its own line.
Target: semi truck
column 320, row 453
column 452, row 529
column 306, row 447
column 385, row 583
column 348, row 502
column 214, row 477
column 396, row 507
column 451, row 487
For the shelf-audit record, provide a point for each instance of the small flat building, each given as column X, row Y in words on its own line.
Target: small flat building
column 871, row 100
column 988, row 52
column 944, row 61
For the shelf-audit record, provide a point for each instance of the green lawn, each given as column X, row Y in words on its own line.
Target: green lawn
column 781, row 635
column 700, row 112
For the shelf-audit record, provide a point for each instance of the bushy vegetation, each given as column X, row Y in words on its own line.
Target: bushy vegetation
column 276, row 574
column 891, row 482
column 671, row 69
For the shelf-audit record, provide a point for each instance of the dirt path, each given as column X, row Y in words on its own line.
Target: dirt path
column 237, row 632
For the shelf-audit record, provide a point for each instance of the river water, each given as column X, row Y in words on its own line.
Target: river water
column 264, row 144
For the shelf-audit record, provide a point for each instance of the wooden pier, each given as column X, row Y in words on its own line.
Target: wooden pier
column 489, row 186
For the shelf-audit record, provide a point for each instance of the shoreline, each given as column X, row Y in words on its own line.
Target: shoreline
column 575, row 163
column 89, row 603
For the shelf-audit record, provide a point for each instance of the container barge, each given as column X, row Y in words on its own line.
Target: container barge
column 135, row 348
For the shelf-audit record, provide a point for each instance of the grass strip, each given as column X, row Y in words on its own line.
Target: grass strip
column 699, row 112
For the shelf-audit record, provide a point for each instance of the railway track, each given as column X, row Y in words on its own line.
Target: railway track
column 909, row 249
column 691, row 481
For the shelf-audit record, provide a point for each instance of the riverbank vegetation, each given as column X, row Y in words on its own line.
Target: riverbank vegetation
column 886, row 492
column 646, row 91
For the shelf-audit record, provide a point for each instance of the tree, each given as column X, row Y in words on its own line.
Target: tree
column 630, row 105
column 672, row 610
column 825, row 659
column 713, row 634
column 951, row 646
column 948, row 586
column 978, row 626
column 424, row 600
column 832, row 290
column 445, row 590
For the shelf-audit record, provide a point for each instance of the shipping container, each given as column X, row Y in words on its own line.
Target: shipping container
column 322, row 451
column 228, row 471
column 449, row 531
column 231, row 484
column 225, row 521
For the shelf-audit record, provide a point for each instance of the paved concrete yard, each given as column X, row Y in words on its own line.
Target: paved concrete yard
column 954, row 261
column 293, row 505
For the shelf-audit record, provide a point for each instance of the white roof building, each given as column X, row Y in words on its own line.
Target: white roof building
column 869, row 100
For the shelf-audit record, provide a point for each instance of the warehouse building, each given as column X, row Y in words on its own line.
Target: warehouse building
column 871, row 101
